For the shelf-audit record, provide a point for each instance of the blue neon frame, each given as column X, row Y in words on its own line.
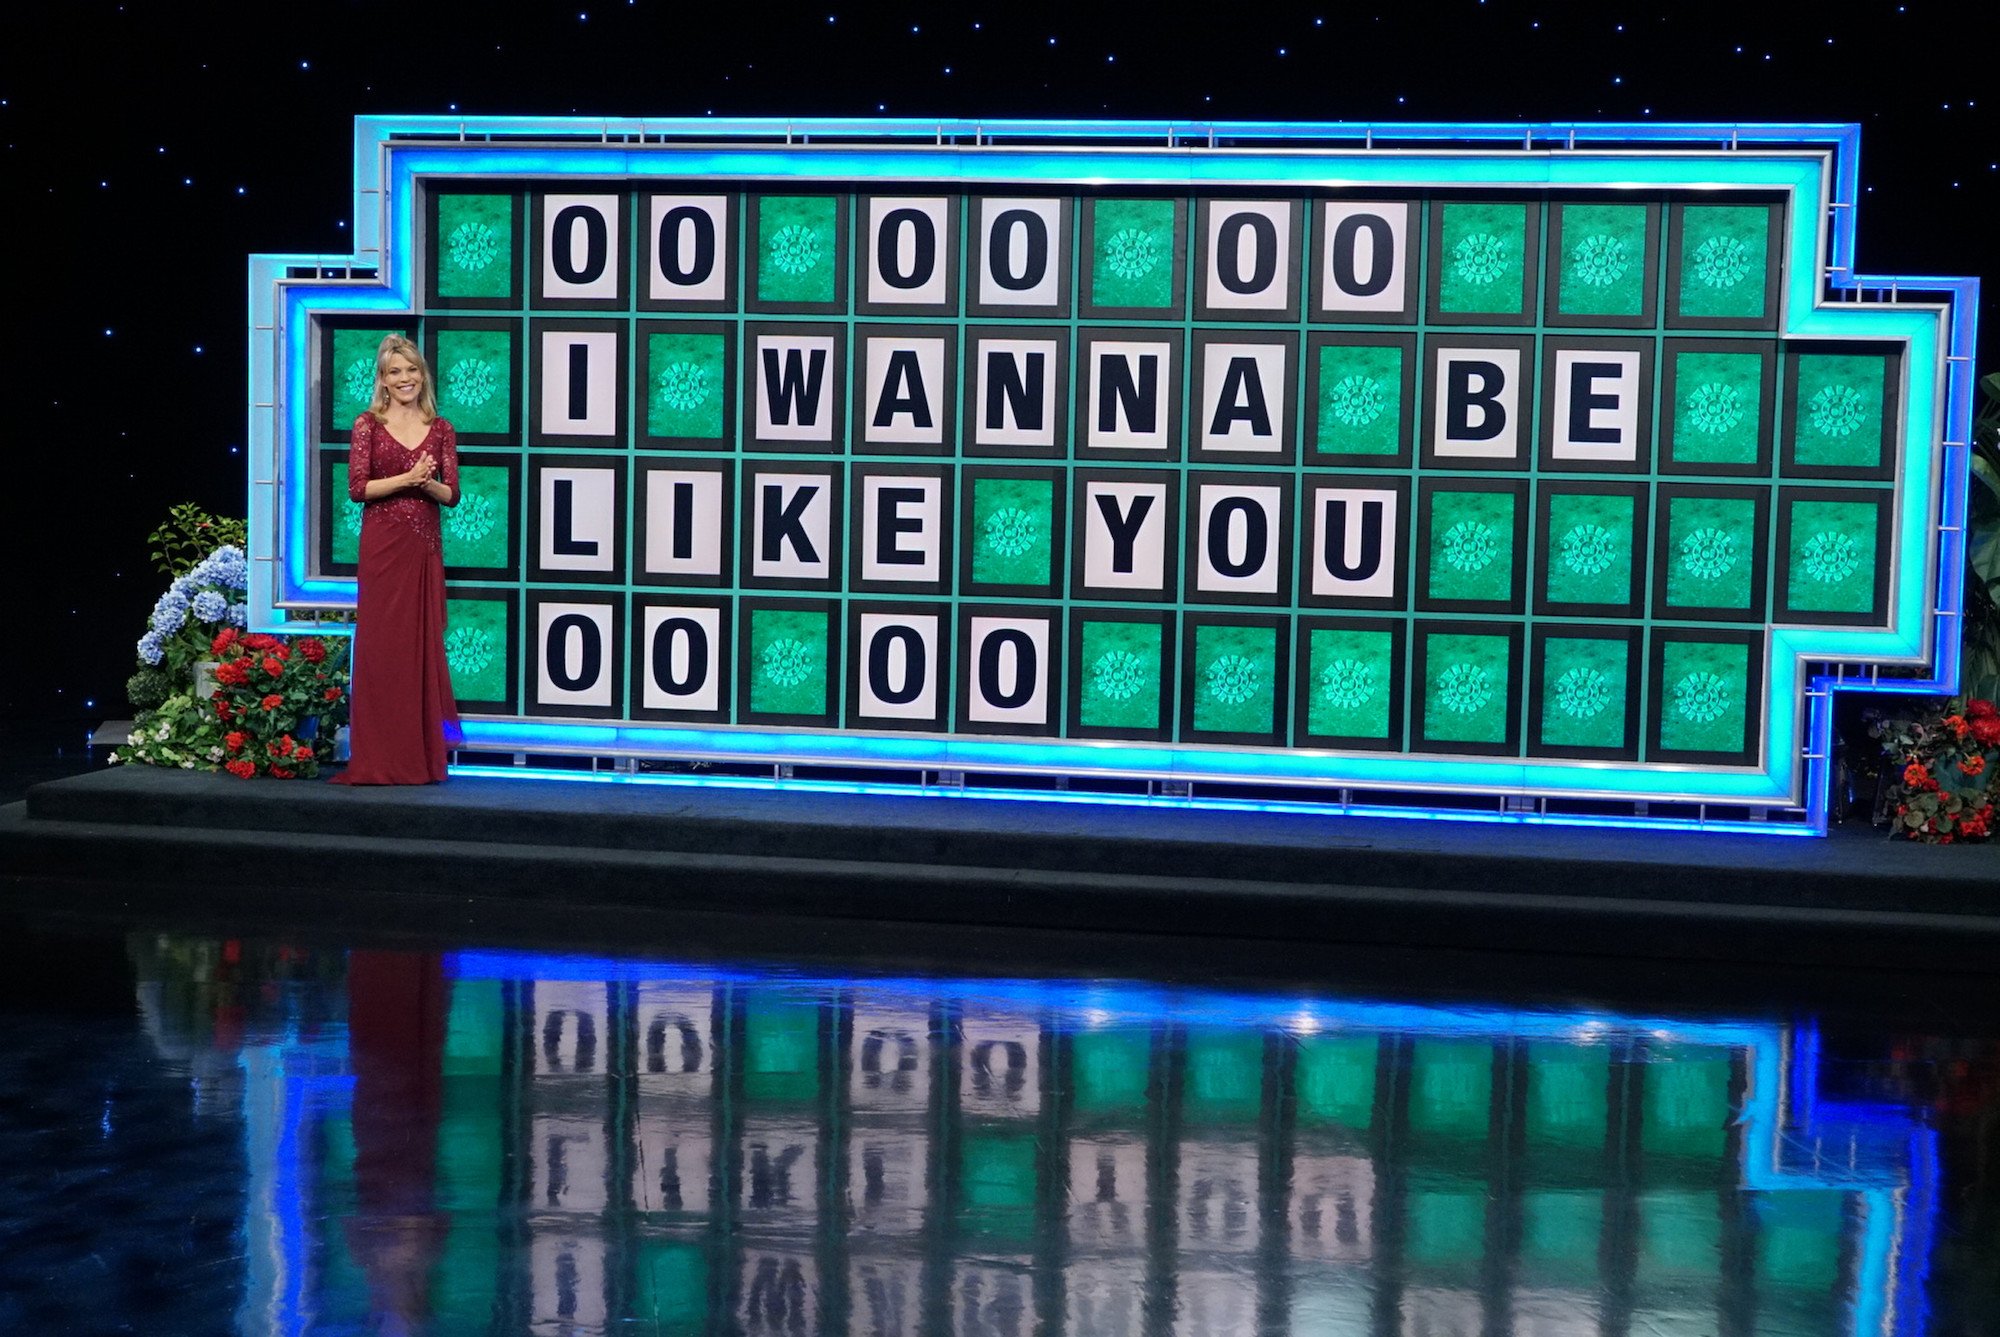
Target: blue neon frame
column 1783, row 1126
column 1816, row 164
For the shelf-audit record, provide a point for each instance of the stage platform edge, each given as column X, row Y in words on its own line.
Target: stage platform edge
column 144, row 836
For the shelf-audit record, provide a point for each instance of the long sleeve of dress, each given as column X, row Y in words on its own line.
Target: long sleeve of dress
column 358, row 461
column 448, row 459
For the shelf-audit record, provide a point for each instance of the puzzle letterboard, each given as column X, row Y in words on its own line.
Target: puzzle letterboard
column 1431, row 473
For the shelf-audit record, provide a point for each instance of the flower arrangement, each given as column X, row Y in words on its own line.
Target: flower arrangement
column 276, row 703
column 200, row 602
column 1948, row 771
column 270, row 695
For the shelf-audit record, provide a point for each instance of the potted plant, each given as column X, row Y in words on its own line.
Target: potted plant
column 278, row 703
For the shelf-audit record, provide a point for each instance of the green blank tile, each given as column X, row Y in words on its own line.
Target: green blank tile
column 1717, row 409
column 475, row 246
column 1590, row 557
column 1360, row 400
column 1725, row 254
column 1352, row 672
column 684, row 398
column 1466, row 688
column 1132, row 253
column 346, row 518
column 1584, row 691
column 1122, row 677
column 1235, row 679
column 797, row 256
column 478, row 531
column 788, row 661
column 1705, row 696
column 1839, row 411
column 475, row 647
column 1472, row 545
column 475, row 379
column 1711, row 552
column 1483, row 258
column 1832, row 556
column 1604, row 270
column 1013, row 530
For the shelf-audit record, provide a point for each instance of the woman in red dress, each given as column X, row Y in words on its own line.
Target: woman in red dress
column 402, row 464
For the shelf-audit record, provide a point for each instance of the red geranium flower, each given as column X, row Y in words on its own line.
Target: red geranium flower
column 241, row 769
column 280, row 653
column 232, row 673
column 312, row 650
column 281, row 772
column 222, row 642
column 1980, row 708
column 1973, row 764
column 281, row 747
column 333, row 694
column 1987, row 730
column 273, row 701
column 1916, row 777
column 273, row 665
column 258, row 640
column 235, row 740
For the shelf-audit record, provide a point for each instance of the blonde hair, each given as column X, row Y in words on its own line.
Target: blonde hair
column 390, row 346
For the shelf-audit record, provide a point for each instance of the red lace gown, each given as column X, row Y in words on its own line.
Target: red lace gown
column 402, row 718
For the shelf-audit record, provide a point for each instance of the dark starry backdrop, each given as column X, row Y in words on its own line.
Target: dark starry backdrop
column 150, row 149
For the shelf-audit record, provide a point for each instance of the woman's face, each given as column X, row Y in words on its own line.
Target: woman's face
column 404, row 380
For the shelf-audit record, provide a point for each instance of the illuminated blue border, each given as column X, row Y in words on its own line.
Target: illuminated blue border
column 1817, row 164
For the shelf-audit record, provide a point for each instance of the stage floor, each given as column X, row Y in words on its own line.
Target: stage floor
column 581, row 846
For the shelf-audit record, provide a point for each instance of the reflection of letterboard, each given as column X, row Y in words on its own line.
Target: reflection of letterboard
column 1000, row 1066
column 1108, row 1197
column 780, row 1170
column 889, row 1063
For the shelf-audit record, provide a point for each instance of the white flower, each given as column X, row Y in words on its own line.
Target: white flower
column 114, row 759
column 187, row 765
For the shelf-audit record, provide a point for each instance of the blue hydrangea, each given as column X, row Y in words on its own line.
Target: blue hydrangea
column 153, row 647
column 170, row 612
column 210, row 606
column 239, row 615
column 226, row 566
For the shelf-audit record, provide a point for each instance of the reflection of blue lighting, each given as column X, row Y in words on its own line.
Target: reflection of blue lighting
column 1887, row 1161
column 391, row 155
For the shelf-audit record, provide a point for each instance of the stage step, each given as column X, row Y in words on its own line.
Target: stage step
column 981, row 860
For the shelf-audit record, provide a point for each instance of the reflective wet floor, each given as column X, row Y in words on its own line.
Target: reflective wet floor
column 204, row 1134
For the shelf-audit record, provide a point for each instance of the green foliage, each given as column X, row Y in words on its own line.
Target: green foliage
column 190, row 534
column 182, row 732
column 1982, row 549
column 148, row 688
